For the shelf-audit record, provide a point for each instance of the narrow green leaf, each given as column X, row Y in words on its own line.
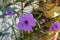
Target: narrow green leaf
column 0, row 33
column 20, row 0
column 29, row 2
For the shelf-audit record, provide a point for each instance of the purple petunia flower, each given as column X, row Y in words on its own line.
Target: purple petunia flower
column 55, row 26
column 42, row 20
column 9, row 12
column 26, row 22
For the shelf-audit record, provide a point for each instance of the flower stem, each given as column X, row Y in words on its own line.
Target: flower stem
column 28, row 36
column 13, row 29
column 22, row 32
column 14, row 33
column 22, row 7
column 22, row 35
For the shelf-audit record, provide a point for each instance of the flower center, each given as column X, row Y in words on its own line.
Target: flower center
column 26, row 22
column 9, row 12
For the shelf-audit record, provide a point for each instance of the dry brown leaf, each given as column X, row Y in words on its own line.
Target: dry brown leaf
column 50, row 13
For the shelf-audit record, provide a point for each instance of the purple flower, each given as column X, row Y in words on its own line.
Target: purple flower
column 55, row 26
column 42, row 21
column 26, row 22
column 9, row 12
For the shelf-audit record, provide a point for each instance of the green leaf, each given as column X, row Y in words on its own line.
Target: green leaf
column 4, row 0
column 28, row 3
column 3, row 34
column 39, row 16
column 0, row 33
column 8, row 5
column 20, row 0
column 0, row 7
column 38, row 25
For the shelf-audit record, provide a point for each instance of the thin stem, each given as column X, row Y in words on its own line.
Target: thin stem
column 22, row 35
column 28, row 38
column 14, row 33
column 22, row 32
column 14, row 30
column 13, row 24
column 22, row 7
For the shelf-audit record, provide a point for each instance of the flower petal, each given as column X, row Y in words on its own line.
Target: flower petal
column 22, row 18
column 29, row 16
column 27, row 28
column 10, row 12
column 32, row 22
column 55, row 26
column 20, row 26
